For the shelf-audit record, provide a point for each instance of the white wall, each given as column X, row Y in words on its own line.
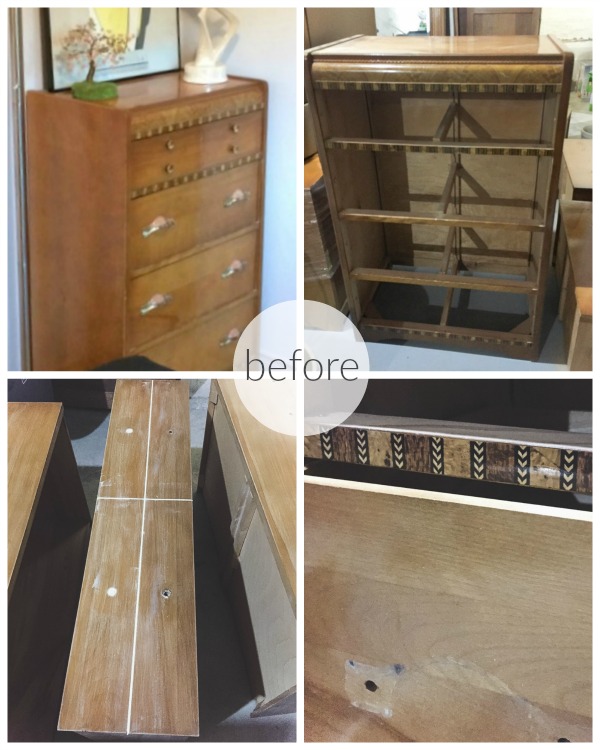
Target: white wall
column 265, row 48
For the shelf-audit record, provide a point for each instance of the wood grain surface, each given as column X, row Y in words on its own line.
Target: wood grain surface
column 76, row 154
column 133, row 667
column 32, row 431
column 429, row 620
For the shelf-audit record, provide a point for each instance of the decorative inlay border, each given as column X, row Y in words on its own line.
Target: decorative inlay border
column 195, row 176
column 542, row 466
column 440, row 148
column 172, row 127
column 417, row 333
column 466, row 88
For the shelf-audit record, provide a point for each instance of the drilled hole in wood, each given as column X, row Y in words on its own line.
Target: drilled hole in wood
column 563, row 739
column 371, row 686
column 166, row 593
column 170, row 432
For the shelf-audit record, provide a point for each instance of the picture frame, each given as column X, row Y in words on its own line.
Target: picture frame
column 153, row 48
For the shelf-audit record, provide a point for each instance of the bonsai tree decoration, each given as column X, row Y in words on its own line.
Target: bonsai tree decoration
column 89, row 46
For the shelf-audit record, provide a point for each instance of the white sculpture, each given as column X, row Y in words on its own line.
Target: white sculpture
column 206, row 67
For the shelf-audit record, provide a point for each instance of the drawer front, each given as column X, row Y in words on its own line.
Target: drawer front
column 235, row 472
column 272, row 617
column 203, row 346
column 172, row 155
column 161, row 301
column 174, row 221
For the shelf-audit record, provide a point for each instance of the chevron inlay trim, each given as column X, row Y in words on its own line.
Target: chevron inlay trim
column 565, row 469
column 471, row 88
column 568, row 461
column 327, row 445
column 436, row 452
column 397, row 440
column 478, row 459
column 522, row 464
column 362, row 446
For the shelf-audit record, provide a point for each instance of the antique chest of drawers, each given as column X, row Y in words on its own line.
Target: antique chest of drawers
column 441, row 158
column 145, row 222
column 448, row 567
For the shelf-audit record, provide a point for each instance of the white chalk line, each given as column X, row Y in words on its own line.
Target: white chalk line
column 139, row 581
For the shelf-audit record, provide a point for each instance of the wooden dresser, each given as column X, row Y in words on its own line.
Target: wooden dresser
column 145, row 222
column 448, row 570
column 441, row 158
column 248, row 481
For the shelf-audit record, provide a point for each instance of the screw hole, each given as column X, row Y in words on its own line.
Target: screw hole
column 371, row 686
column 170, row 432
column 166, row 593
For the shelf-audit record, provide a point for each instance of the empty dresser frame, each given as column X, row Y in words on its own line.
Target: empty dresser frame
column 447, row 592
column 132, row 669
column 441, row 157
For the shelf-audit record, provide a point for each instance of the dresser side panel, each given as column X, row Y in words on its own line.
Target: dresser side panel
column 77, row 175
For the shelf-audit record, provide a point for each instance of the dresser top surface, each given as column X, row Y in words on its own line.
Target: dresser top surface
column 436, row 47
column 162, row 89
column 32, row 430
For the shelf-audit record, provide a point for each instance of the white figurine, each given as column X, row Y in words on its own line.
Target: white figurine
column 206, row 67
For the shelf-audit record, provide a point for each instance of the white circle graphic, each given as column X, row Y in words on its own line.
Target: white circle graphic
column 330, row 362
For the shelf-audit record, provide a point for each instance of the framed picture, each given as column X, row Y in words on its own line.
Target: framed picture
column 152, row 45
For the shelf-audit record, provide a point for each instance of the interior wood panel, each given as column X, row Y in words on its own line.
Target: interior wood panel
column 461, row 615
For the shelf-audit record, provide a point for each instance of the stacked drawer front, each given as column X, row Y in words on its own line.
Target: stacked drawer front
column 194, row 236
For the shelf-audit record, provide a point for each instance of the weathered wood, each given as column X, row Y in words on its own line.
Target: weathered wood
column 132, row 669
column 430, row 617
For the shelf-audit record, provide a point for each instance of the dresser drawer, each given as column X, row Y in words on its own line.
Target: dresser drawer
column 190, row 288
column 173, row 221
column 172, row 155
column 203, row 347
